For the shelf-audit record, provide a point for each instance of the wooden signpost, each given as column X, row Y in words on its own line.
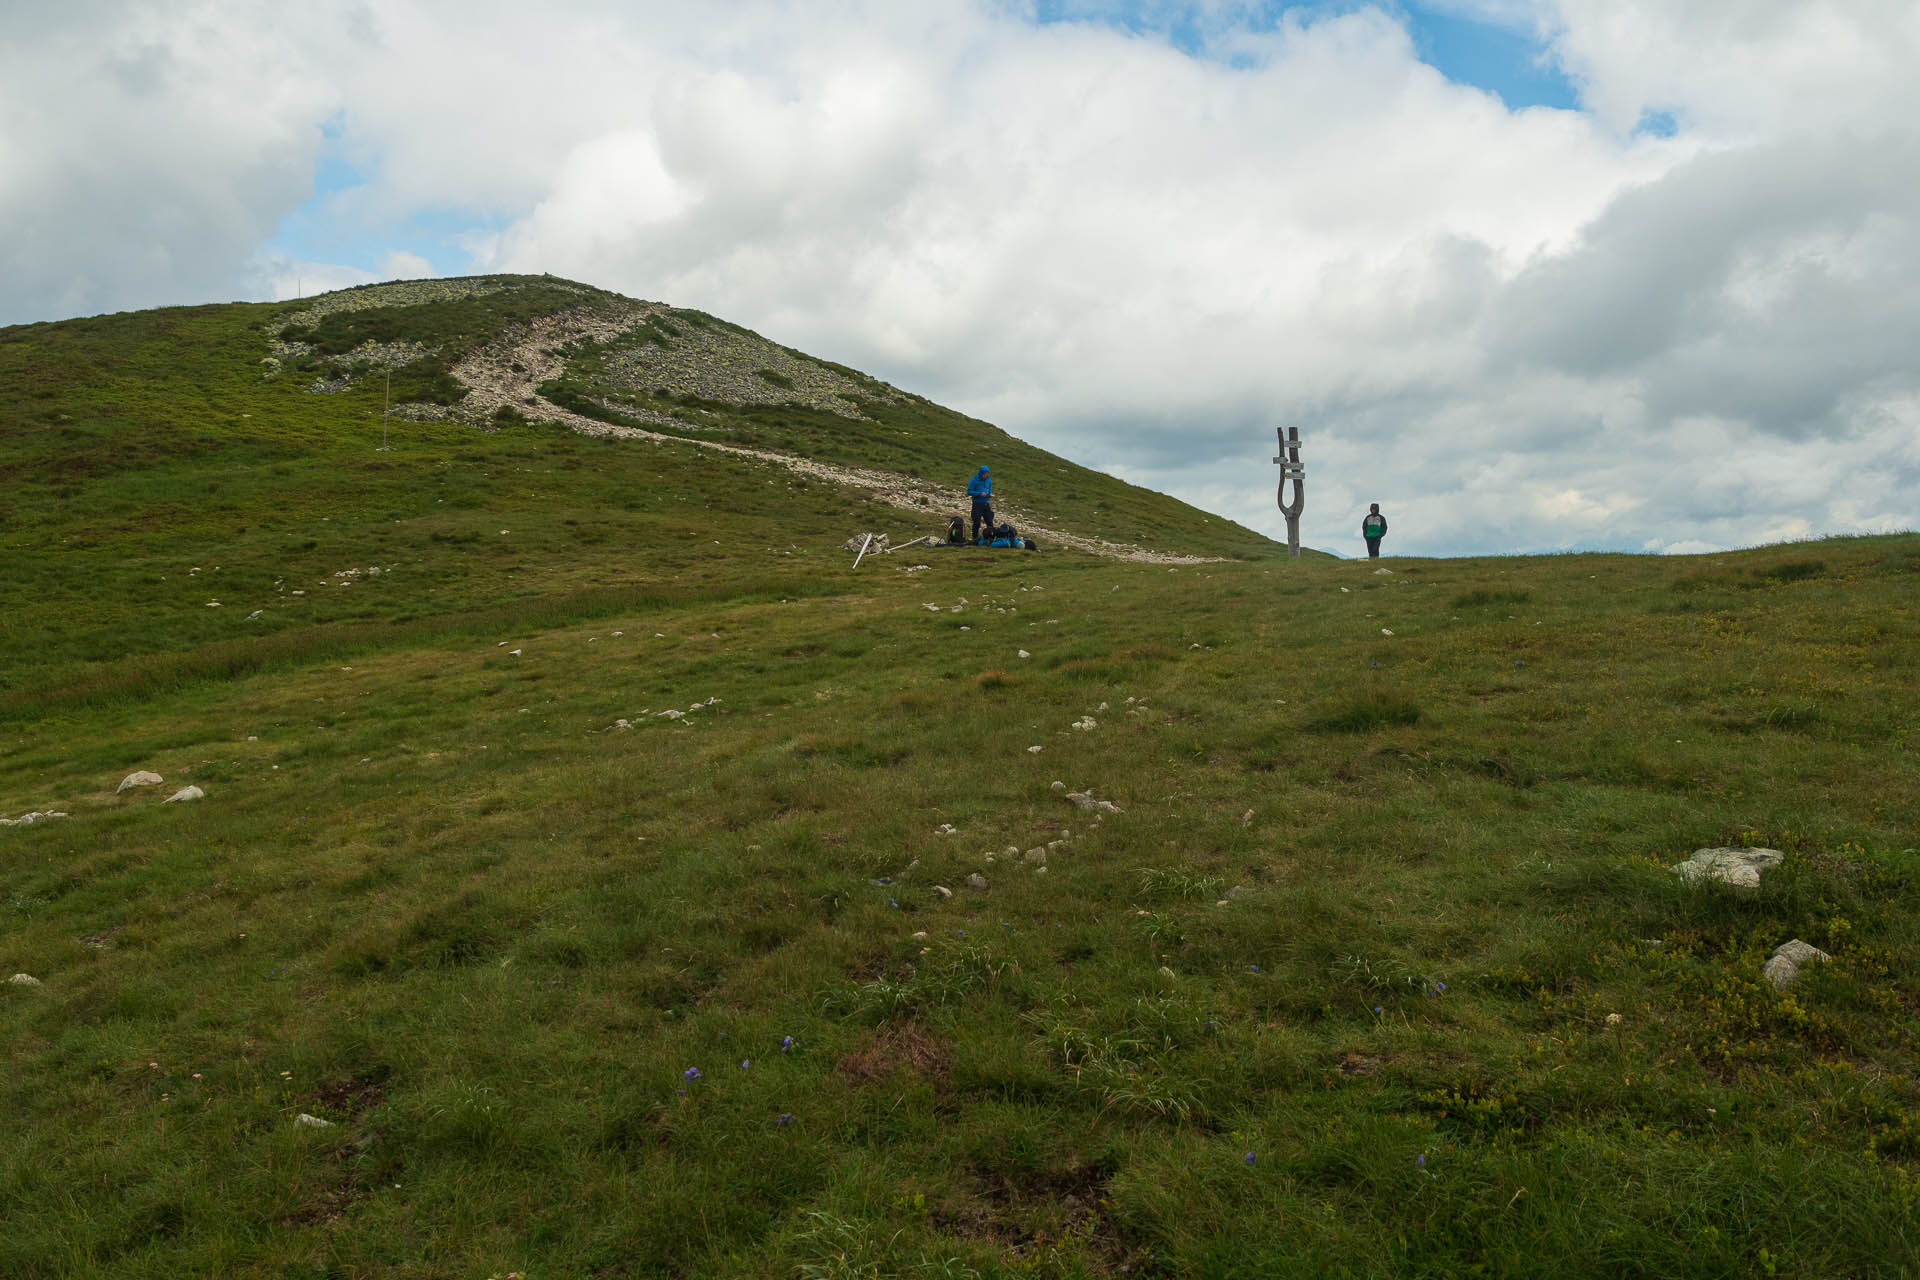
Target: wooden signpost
column 1290, row 469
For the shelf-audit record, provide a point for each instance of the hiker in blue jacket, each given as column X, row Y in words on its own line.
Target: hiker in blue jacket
column 980, row 489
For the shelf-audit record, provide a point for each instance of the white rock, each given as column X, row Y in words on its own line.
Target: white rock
column 513, row 652
column 976, row 881
column 670, row 714
column 255, row 614
column 28, row 819
column 1385, row 632
column 1383, row 573
column 931, row 608
column 186, row 793
column 1787, row 960
column 1034, row 751
column 1036, row 855
column 1025, row 654
column 942, row 892
column 306, row 1121
column 1059, row 788
column 1011, row 851
column 23, row 980
column 139, row 779
column 919, row 935
column 1086, row 801
column 1741, row 868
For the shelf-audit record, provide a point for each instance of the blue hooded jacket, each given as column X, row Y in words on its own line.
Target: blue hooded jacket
column 981, row 486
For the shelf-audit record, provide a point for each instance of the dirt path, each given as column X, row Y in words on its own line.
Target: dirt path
column 506, row 375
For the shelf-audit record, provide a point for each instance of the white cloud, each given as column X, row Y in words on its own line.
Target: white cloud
column 1516, row 330
column 398, row 264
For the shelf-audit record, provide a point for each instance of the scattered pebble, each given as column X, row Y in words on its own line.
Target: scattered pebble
column 28, row 819
column 186, row 793
column 306, row 1121
column 23, row 980
column 140, row 779
column 1025, row 654
column 976, row 881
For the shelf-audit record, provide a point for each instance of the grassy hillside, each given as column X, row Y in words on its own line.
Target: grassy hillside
column 603, row 882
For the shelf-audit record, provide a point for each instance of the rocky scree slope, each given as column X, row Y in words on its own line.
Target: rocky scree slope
column 500, row 349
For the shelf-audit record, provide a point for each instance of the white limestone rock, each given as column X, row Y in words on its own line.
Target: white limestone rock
column 186, row 793
column 1086, row 801
column 23, row 980
column 1741, row 868
column 1787, row 961
column 28, row 819
column 141, row 778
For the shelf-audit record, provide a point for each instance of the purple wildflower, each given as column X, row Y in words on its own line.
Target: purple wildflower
column 1249, row 1157
column 786, row 1118
column 745, row 1063
column 1420, row 1162
column 691, row 1073
column 786, row 1044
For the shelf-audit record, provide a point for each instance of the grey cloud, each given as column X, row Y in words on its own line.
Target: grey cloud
column 1736, row 285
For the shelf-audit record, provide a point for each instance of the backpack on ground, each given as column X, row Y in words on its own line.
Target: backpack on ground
column 956, row 531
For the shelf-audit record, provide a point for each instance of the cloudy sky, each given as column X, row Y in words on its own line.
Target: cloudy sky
column 1533, row 274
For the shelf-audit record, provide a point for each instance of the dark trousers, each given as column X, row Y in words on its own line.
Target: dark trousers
column 1373, row 547
column 982, row 514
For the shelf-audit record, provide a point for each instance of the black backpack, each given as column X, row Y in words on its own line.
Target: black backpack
column 956, row 531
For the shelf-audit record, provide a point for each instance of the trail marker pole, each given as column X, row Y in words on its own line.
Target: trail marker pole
column 384, row 410
column 1290, row 469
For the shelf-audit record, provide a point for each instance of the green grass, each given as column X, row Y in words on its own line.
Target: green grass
column 1365, row 915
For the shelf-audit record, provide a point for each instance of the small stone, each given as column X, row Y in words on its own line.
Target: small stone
column 1787, row 959
column 1025, row 654
column 23, row 980
column 1086, row 801
column 1059, row 788
column 1238, row 892
column 139, row 779
column 186, row 793
column 977, row 881
column 1011, row 851
column 513, row 652
column 1036, row 855
column 255, row 614
column 919, row 935
column 306, row 1121
column 942, row 892
column 1383, row 573
column 28, row 819
column 1034, row 751
column 1741, row 868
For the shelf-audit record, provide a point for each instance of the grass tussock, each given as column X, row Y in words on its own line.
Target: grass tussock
column 1366, row 714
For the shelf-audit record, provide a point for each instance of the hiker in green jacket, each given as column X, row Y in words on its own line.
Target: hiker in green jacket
column 1373, row 528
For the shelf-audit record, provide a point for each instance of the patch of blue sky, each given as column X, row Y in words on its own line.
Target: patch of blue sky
column 1512, row 64
column 327, row 228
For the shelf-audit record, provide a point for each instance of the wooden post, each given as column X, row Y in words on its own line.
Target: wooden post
column 1290, row 469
